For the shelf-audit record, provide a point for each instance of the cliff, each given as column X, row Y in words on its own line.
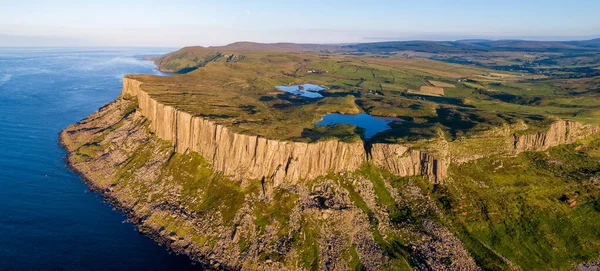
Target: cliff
column 252, row 157
column 559, row 132
column 330, row 223
column 136, row 151
column 403, row 161
column 246, row 156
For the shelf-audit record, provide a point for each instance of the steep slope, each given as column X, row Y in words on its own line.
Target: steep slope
column 135, row 152
column 246, row 156
column 242, row 156
column 189, row 58
column 539, row 210
column 365, row 218
column 219, row 165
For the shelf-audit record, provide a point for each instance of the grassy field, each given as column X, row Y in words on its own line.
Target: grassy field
column 539, row 210
column 238, row 89
column 535, row 211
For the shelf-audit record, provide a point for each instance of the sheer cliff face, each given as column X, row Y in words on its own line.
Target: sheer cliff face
column 251, row 157
column 403, row 161
column 352, row 220
column 559, row 132
column 333, row 222
column 246, row 156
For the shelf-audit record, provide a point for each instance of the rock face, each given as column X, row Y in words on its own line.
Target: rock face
column 246, row 156
column 251, row 157
column 403, row 161
column 179, row 201
column 560, row 132
column 329, row 223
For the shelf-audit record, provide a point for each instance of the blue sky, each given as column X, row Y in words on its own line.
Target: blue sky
column 178, row 23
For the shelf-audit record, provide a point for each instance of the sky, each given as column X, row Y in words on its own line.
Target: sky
column 177, row 23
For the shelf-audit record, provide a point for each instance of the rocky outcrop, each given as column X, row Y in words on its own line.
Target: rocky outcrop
column 403, row 161
column 173, row 198
column 559, row 132
column 330, row 223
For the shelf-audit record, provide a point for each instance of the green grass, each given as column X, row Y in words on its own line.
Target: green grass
column 241, row 95
column 309, row 253
column 354, row 263
column 126, row 171
column 278, row 209
column 520, row 208
column 539, row 210
column 95, row 145
column 195, row 175
column 395, row 246
column 373, row 174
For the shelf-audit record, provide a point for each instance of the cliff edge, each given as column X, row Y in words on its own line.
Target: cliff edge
column 236, row 201
column 351, row 220
column 244, row 156
column 253, row 157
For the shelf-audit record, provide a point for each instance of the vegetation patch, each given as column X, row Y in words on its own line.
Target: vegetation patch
column 537, row 209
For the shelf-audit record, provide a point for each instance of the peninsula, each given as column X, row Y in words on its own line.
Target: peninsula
column 458, row 162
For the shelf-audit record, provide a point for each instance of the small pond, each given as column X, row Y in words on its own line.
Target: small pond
column 304, row 90
column 371, row 124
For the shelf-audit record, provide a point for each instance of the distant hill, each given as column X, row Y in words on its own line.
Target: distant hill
column 246, row 46
column 595, row 43
column 475, row 45
column 417, row 45
column 185, row 58
column 190, row 58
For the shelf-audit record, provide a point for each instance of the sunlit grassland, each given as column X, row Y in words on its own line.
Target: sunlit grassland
column 539, row 210
column 241, row 94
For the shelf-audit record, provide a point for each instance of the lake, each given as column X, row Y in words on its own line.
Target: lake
column 48, row 218
column 371, row 124
column 304, row 90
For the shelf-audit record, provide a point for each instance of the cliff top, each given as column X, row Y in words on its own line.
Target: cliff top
column 436, row 99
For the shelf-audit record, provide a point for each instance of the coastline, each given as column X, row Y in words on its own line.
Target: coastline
column 126, row 121
column 139, row 221
column 118, row 124
column 228, row 235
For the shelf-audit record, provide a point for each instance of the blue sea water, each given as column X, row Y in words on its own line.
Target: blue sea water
column 371, row 124
column 48, row 218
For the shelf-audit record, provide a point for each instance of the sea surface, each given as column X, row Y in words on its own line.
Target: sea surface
column 48, row 218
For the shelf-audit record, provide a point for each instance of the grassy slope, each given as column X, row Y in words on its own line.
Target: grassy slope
column 539, row 210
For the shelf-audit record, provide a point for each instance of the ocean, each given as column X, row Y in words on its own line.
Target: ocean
column 49, row 220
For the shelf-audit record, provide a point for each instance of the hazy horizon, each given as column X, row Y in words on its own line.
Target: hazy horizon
column 67, row 23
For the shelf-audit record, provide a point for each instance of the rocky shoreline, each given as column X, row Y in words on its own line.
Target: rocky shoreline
column 303, row 220
column 138, row 221
column 361, row 217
